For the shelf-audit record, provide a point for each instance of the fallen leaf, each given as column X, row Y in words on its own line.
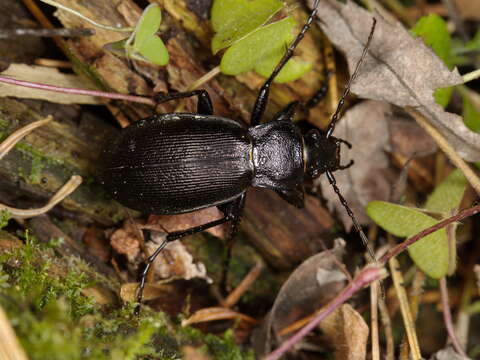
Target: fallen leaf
column 214, row 314
column 398, row 69
column 180, row 222
column 175, row 262
column 49, row 76
column 313, row 283
column 125, row 241
column 448, row 354
column 347, row 332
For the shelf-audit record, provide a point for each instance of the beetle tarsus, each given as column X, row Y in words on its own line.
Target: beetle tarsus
column 204, row 105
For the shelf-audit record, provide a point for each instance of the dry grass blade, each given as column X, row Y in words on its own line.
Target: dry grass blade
column 10, row 348
column 405, row 309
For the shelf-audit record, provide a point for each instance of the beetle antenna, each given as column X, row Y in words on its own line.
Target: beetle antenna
column 333, row 182
column 333, row 122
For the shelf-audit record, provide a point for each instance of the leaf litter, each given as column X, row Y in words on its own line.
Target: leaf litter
column 398, row 69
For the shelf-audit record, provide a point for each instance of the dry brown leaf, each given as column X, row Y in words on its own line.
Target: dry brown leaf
column 175, row 262
column 448, row 354
column 45, row 75
column 347, row 332
column 398, row 69
column 214, row 314
column 171, row 223
column 313, row 283
column 370, row 178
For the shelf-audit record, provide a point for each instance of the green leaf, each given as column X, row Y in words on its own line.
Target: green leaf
column 471, row 116
column 256, row 47
column 232, row 20
column 147, row 26
column 430, row 253
column 153, row 50
column 447, row 195
column 292, row 70
column 442, row 96
column 433, row 29
column 144, row 44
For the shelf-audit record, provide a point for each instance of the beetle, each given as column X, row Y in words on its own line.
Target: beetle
column 181, row 162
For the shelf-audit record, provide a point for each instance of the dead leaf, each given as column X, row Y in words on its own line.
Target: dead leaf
column 180, row 222
column 408, row 139
column 214, row 314
column 175, row 262
column 398, row 69
column 49, row 76
column 370, row 178
column 315, row 282
column 448, row 354
column 347, row 333
column 125, row 241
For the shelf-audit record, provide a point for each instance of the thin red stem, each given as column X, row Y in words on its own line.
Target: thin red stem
column 116, row 96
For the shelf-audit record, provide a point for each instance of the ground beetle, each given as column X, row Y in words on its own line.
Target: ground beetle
column 181, row 162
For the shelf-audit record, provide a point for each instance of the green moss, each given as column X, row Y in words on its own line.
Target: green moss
column 38, row 162
column 54, row 320
column 4, row 218
column 220, row 347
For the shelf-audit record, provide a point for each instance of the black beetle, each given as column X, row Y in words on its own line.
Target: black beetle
column 181, row 162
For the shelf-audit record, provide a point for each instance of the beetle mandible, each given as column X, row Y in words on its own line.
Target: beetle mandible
column 181, row 162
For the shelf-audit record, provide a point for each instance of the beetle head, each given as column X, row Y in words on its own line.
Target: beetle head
column 322, row 153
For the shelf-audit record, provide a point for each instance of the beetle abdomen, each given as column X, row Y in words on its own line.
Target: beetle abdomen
column 174, row 163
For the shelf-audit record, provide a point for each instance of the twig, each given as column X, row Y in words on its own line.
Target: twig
column 9, row 33
column 116, row 96
column 367, row 275
column 387, row 326
column 475, row 74
column 18, row 135
column 446, row 148
column 244, row 285
column 447, row 317
column 374, row 320
column 65, row 190
column 10, row 348
column 407, row 316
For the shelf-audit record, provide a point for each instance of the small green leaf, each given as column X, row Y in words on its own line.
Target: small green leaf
column 471, row 116
column 433, row 29
column 447, row 195
column 262, row 43
column 292, row 70
column 144, row 44
column 153, row 50
column 430, row 253
column 147, row 26
column 232, row 20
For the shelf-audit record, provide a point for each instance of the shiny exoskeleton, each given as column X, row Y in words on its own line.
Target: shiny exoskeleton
column 181, row 162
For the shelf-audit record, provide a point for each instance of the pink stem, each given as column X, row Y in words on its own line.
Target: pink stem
column 34, row 85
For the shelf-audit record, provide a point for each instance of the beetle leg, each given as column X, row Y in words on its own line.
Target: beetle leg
column 234, row 210
column 171, row 237
column 295, row 196
column 262, row 98
column 204, row 106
